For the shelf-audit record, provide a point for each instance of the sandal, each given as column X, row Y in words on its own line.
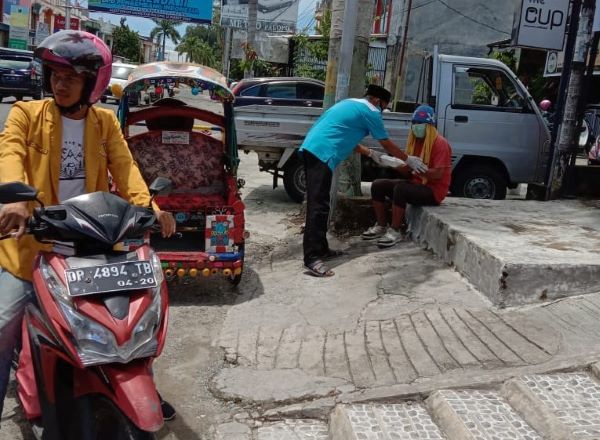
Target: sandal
column 331, row 254
column 319, row 269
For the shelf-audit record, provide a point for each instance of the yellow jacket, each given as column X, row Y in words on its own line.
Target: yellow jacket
column 30, row 152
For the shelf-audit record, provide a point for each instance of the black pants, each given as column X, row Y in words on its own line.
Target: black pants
column 318, row 187
column 402, row 192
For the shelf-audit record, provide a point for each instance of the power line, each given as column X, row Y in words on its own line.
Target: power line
column 471, row 18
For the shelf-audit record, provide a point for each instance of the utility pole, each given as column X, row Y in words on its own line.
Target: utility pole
column 351, row 24
column 227, row 51
column 251, row 32
column 568, row 133
column 400, row 76
column 394, row 45
column 67, row 14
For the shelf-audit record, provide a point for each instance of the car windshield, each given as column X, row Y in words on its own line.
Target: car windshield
column 121, row 72
column 15, row 63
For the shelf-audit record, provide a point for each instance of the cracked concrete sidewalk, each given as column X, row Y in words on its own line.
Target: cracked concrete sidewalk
column 390, row 321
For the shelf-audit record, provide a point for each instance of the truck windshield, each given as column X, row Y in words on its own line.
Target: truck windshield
column 478, row 86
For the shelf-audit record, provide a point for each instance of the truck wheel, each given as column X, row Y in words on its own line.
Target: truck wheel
column 294, row 180
column 480, row 182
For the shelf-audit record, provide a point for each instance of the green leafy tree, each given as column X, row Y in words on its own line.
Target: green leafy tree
column 198, row 51
column 126, row 43
column 313, row 48
column 203, row 44
column 165, row 29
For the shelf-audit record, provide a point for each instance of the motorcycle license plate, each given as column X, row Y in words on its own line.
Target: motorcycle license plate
column 130, row 275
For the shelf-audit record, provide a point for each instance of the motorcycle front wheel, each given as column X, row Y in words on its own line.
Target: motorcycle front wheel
column 100, row 419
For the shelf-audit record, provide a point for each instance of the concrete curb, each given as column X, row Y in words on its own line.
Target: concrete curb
column 534, row 411
column 505, row 282
column 340, row 425
column 445, row 417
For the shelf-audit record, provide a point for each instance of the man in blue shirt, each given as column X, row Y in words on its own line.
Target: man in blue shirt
column 334, row 136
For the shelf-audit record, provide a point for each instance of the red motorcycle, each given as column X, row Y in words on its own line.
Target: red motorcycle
column 88, row 344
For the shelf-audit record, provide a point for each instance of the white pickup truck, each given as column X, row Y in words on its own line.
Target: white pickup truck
column 498, row 136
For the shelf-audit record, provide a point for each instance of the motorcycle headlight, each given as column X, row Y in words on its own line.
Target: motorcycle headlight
column 97, row 345
column 53, row 283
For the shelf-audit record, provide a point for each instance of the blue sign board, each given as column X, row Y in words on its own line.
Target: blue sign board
column 198, row 11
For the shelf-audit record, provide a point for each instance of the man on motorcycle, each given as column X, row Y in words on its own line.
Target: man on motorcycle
column 64, row 147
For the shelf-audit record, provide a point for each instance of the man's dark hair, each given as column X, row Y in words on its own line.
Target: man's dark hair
column 379, row 92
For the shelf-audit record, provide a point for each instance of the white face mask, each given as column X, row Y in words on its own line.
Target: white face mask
column 419, row 130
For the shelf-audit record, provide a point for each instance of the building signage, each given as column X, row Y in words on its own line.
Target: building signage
column 41, row 32
column 272, row 15
column 7, row 7
column 198, row 11
column 60, row 23
column 18, row 33
column 541, row 24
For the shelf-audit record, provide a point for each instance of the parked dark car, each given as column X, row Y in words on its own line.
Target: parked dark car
column 20, row 74
column 298, row 92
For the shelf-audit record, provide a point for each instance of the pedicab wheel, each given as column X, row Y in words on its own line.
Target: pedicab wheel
column 235, row 280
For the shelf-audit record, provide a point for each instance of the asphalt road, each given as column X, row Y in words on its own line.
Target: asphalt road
column 196, row 315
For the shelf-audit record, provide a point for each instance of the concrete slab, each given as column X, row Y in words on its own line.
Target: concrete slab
column 274, row 386
column 515, row 251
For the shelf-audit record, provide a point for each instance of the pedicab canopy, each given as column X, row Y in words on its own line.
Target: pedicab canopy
column 197, row 78
column 166, row 73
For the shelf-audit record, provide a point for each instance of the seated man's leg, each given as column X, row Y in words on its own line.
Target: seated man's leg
column 380, row 189
column 15, row 294
column 406, row 192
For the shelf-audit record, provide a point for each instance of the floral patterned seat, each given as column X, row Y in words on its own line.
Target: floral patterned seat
column 196, row 167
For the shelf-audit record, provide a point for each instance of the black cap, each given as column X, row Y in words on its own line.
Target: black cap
column 379, row 92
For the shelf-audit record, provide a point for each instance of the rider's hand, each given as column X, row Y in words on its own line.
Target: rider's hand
column 416, row 164
column 375, row 156
column 14, row 216
column 166, row 222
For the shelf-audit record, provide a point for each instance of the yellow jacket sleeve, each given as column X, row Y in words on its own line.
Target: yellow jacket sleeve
column 13, row 148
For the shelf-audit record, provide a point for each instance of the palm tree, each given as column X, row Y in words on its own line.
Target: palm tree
column 197, row 51
column 165, row 29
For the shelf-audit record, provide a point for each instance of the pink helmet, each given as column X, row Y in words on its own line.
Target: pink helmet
column 545, row 105
column 85, row 53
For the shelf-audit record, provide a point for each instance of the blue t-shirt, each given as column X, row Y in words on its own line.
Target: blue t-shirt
column 337, row 132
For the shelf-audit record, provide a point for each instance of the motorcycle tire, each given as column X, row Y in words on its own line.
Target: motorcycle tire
column 105, row 421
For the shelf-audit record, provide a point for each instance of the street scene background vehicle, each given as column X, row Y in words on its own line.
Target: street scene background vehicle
column 497, row 133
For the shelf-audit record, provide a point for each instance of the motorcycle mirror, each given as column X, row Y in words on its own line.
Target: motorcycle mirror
column 14, row 192
column 160, row 185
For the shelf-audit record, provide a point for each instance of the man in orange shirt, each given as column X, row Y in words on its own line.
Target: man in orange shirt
column 428, row 188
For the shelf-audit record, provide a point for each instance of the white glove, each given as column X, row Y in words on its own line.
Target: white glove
column 391, row 161
column 416, row 164
column 375, row 156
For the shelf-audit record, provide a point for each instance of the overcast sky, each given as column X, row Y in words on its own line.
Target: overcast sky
column 144, row 26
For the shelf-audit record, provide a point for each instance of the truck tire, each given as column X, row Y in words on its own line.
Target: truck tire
column 294, row 180
column 480, row 182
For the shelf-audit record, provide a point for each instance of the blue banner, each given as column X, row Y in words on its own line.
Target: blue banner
column 197, row 11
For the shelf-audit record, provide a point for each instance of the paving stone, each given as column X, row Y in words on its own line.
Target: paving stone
column 563, row 405
column 233, row 431
column 475, row 414
column 383, row 422
column 294, row 430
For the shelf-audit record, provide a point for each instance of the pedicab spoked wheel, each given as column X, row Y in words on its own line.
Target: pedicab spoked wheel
column 235, row 280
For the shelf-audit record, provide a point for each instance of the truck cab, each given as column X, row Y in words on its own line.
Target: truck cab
column 496, row 131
